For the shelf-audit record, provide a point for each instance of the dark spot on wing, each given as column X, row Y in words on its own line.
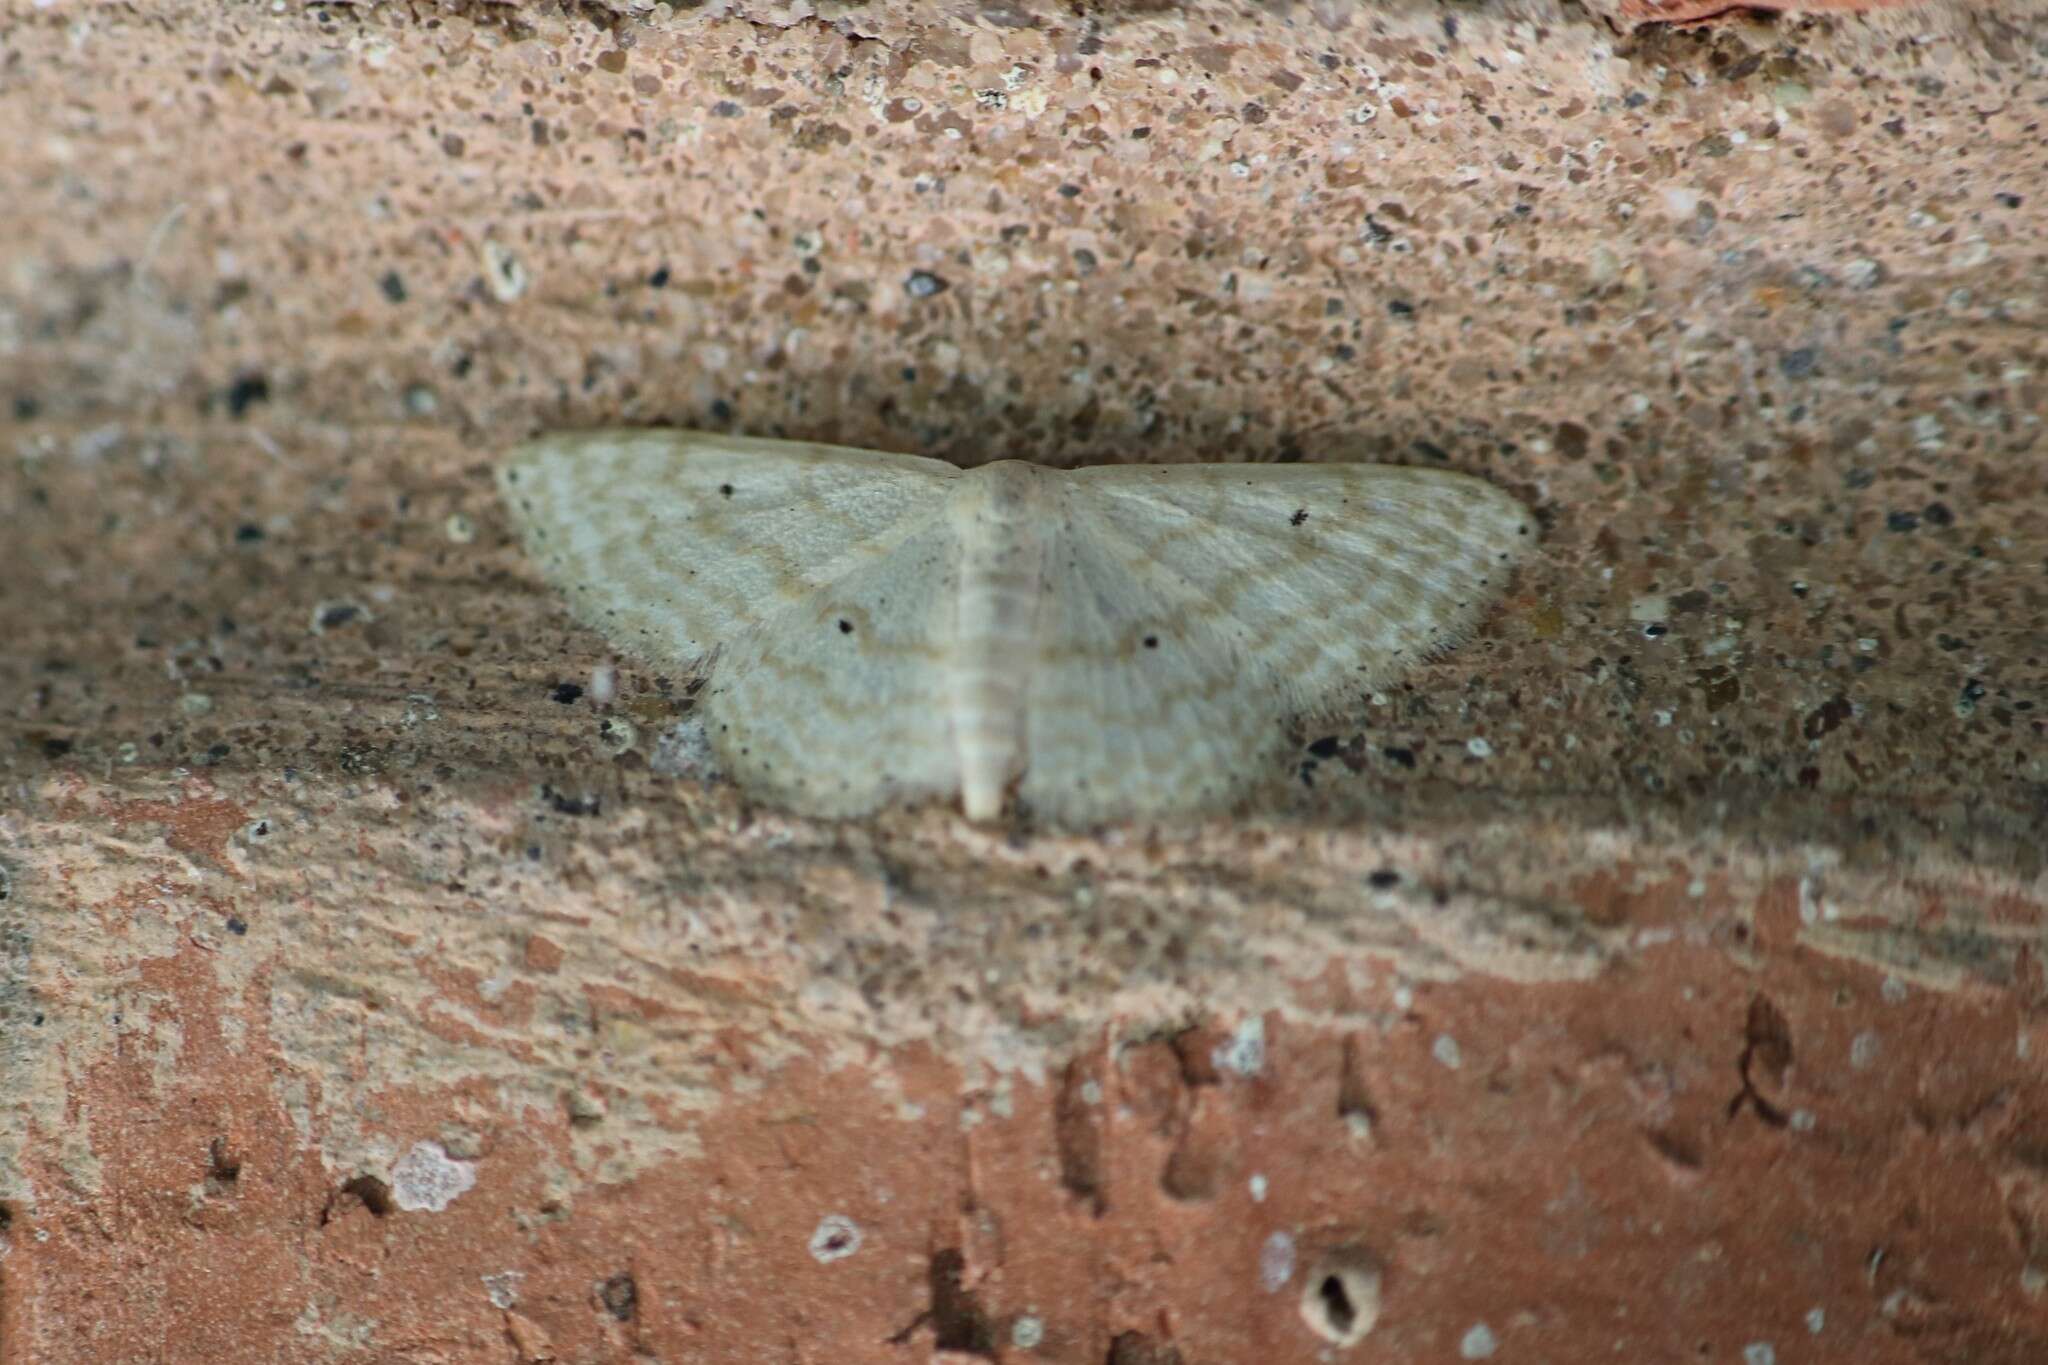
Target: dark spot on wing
column 1300, row 515
column 566, row 693
column 845, row 626
column 1151, row 642
column 725, row 490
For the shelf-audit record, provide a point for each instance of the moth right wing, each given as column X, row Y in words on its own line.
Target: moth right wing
column 1139, row 705
column 1324, row 576
column 1192, row 608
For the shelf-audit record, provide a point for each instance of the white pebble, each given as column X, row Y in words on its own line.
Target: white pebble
column 1276, row 1262
column 1245, row 1051
column 1478, row 1343
column 505, row 277
column 503, row 1288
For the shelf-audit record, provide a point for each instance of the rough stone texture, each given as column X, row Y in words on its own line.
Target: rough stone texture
column 1685, row 12
column 368, row 994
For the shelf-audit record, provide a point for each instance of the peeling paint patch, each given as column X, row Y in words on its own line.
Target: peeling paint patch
column 198, row 828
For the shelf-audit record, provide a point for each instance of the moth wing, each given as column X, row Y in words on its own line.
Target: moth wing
column 1139, row 703
column 839, row 704
column 1321, row 576
column 670, row 543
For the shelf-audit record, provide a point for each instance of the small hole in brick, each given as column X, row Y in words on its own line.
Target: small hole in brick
column 372, row 1193
column 621, row 1297
column 1341, row 1300
column 1337, row 1309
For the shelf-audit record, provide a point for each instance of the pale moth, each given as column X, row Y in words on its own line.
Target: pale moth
column 1093, row 644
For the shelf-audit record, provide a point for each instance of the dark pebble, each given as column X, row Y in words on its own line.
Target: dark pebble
column 1798, row 364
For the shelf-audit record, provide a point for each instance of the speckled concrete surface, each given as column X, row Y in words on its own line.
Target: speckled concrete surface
column 1659, row 975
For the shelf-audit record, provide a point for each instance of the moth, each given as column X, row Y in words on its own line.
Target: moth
column 1086, row 645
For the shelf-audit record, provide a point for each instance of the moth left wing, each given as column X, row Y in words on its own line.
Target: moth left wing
column 670, row 543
